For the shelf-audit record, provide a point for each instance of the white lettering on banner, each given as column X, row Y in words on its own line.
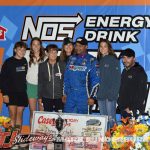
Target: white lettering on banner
column 91, row 22
column 117, row 21
column 50, row 28
column 114, row 36
column 123, row 28
column 115, row 28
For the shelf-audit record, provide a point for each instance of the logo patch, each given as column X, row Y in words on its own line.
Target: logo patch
column 58, row 74
column 77, row 68
column 20, row 69
column 130, row 76
column 91, row 60
column 106, row 65
column 84, row 62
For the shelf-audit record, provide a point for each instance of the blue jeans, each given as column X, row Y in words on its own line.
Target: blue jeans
column 108, row 108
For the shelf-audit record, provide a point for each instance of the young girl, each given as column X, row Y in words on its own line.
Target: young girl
column 13, row 84
column 110, row 75
column 34, row 57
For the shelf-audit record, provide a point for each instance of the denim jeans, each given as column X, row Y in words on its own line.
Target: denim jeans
column 108, row 107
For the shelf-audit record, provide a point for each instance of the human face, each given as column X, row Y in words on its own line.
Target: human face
column 52, row 54
column 20, row 52
column 36, row 46
column 68, row 49
column 80, row 49
column 128, row 61
column 104, row 48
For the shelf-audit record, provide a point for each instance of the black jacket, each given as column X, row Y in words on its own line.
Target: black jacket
column 50, row 80
column 133, row 89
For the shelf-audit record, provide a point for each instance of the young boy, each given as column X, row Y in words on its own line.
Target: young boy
column 50, row 80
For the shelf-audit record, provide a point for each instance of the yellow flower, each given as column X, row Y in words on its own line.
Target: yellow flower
column 117, row 134
column 2, row 118
column 147, row 143
column 4, row 121
column 117, row 142
column 141, row 129
column 119, row 127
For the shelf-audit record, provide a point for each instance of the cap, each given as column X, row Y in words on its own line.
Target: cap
column 82, row 41
column 67, row 40
column 127, row 52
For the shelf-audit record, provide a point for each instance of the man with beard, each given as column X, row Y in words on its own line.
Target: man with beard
column 132, row 94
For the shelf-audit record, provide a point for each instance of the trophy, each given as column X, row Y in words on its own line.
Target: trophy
column 58, row 143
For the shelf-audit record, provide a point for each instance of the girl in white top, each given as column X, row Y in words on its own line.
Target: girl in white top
column 35, row 56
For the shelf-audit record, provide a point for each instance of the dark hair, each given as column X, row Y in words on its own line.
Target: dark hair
column 51, row 46
column 110, row 50
column 63, row 56
column 19, row 44
column 42, row 54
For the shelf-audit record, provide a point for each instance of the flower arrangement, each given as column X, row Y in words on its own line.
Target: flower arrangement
column 129, row 134
column 5, row 123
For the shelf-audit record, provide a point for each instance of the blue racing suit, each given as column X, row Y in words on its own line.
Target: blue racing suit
column 81, row 81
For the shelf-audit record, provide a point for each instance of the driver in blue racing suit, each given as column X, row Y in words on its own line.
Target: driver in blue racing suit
column 81, row 80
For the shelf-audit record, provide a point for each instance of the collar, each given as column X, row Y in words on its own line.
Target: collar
column 82, row 55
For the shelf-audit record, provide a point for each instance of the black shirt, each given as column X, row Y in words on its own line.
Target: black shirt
column 13, row 75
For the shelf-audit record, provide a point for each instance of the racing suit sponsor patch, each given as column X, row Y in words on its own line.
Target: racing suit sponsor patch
column 77, row 68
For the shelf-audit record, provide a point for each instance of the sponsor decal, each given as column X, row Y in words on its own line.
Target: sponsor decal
column 77, row 68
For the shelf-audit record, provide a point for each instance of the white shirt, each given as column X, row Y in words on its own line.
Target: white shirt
column 32, row 74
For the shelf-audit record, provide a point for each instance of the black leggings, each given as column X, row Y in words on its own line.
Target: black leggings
column 52, row 104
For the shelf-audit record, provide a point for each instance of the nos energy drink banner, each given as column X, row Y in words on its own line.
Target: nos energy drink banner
column 126, row 24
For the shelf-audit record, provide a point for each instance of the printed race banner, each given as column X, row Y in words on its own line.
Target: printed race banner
column 78, row 131
column 126, row 24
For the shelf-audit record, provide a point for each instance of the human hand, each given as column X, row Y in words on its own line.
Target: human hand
column 6, row 99
column 64, row 97
column 128, row 110
column 91, row 101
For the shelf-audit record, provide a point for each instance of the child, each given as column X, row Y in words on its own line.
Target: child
column 13, row 84
column 50, row 80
